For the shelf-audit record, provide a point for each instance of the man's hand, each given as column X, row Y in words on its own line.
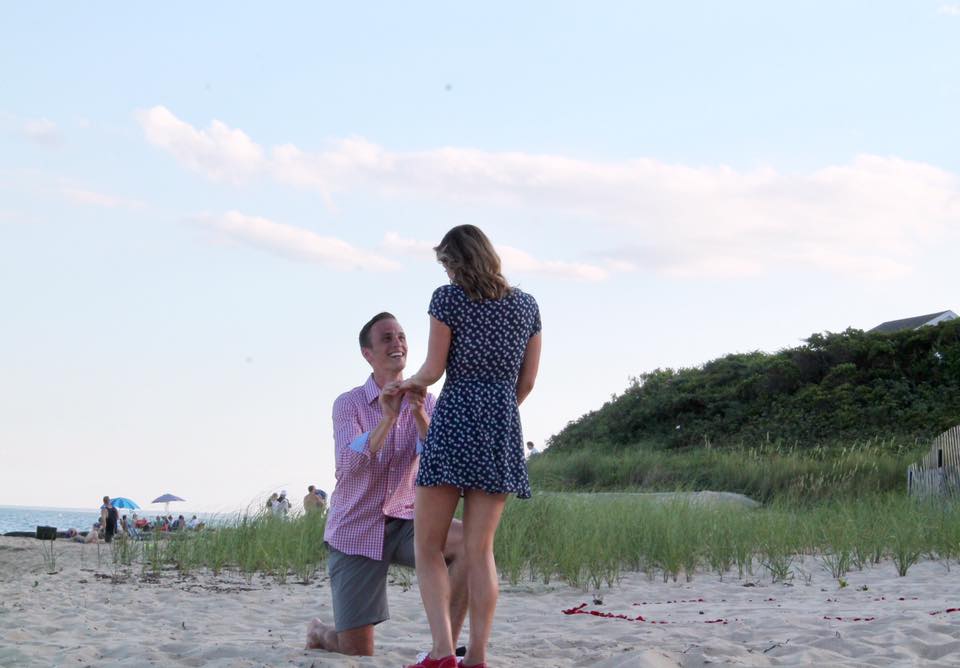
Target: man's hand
column 417, row 400
column 390, row 397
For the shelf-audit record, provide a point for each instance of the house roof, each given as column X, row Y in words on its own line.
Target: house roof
column 906, row 323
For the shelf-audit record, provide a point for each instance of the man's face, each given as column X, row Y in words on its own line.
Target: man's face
column 388, row 347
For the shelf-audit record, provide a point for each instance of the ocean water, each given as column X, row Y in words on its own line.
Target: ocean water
column 21, row 518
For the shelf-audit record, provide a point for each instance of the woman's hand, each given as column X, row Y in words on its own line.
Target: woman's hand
column 416, row 396
column 414, row 385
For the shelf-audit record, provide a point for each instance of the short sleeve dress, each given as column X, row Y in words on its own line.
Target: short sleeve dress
column 475, row 439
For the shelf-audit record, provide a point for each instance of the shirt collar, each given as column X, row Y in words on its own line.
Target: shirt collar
column 371, row 390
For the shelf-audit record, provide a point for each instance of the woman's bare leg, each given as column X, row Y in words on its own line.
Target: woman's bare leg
column 433, row 512
column 481, row 516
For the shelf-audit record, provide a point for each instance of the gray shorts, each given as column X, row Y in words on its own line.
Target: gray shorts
column 358, row 584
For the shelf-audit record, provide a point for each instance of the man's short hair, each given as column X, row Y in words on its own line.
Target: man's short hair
column 311, row 488
column 365, row 341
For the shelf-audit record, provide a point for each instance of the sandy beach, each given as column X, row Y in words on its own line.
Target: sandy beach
column 90, row 614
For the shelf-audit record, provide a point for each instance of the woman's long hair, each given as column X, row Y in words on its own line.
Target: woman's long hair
column 468, row 254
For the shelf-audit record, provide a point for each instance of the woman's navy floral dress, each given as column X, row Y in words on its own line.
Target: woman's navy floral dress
column 475, row 440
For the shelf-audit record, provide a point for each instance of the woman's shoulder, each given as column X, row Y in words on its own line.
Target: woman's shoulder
column 449, row 291
column 523, row 297
column 447, row 304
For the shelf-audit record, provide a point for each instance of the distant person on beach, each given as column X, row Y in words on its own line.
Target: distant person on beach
column 312, row 503
column 271, row 502
column 531, row 449
column 91, row 537
column 377, row 432
column 108, row 519
column 194, row 523
column 485, row 335
column 130, row 526
column 282, row 505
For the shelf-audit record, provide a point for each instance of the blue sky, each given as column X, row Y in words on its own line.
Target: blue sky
column 200, row 206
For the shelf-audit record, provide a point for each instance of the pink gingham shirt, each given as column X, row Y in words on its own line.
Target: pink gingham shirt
column 370, row 488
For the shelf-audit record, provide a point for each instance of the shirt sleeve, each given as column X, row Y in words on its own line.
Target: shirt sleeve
column 536, row 326
column 359, row 444
column 441, row 305
column 352, row 453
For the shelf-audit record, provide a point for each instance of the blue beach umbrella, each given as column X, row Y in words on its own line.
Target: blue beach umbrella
column 165, row 500
column 124, row 502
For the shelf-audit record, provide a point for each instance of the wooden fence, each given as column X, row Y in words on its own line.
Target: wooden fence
column 938, row 473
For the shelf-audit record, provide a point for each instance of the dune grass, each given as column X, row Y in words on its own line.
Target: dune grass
column 246, row 544
column 590, row 541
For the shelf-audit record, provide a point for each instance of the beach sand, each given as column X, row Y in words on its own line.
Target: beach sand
column 88, row 613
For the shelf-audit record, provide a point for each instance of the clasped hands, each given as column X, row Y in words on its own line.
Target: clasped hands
column 392, row 394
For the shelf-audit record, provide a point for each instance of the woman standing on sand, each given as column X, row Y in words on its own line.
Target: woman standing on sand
column 486, row 336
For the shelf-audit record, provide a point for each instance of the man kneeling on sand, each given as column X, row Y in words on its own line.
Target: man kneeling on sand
column 377, row 434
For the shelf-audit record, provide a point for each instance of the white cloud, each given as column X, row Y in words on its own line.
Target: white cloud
column 43, row 131
column 619, row 266
column 219, row 152
column 394, row 243
column 950, row 10
column 13, row 217
column 297, row 243
column 514, row 260
column 869, row 218
column 89, row 197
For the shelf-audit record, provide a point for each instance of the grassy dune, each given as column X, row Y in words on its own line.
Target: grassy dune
column 765, row 472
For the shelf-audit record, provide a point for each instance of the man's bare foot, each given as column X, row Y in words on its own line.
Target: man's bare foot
column 317, row 635
column 354, row 642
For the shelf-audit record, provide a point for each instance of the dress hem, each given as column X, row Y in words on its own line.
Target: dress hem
column 520, row 494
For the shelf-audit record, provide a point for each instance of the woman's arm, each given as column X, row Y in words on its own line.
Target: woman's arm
column 438, row 347
column 529, row 368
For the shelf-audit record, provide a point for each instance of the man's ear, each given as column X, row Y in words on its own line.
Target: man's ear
column 367, row 354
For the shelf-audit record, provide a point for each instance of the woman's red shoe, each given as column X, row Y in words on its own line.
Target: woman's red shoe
column 427, row 662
